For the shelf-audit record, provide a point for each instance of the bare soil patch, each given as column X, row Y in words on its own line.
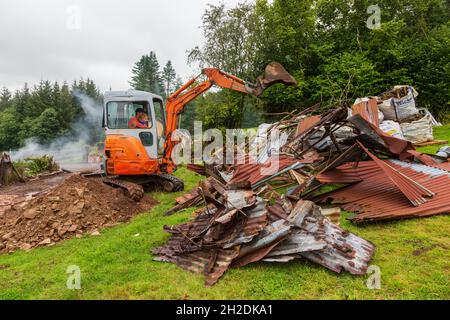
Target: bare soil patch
column 51, row 209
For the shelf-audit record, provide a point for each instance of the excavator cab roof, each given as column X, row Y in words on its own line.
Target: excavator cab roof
column 130, row 94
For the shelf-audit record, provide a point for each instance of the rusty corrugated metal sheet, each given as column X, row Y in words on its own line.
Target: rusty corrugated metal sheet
column 193, row 198
column 415, row 192
column 425, row 159
column 264, row 243
column 443, row 166
column 306, row 233
column 339, row 176
column 307, row 123
column 276, row 212
column 317, row 239
column 188, row 196
column 234, row 231
column 213, row 263
column 368, row 110
column 208, row 244
column 199, row 169
column 254, row 173
column 377, row 198
column 299, row 241
column 351, row 154
column 256, row 220
column 345, row 251
column 396, row 146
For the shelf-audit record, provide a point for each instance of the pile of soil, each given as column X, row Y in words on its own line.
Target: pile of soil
column 77, row 207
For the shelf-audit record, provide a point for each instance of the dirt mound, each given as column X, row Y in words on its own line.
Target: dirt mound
column 76, row 207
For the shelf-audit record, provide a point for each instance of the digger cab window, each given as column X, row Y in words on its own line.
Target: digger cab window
column 160, row 116
column 120, row 113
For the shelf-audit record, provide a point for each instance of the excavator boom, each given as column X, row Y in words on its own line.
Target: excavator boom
column 274, row 73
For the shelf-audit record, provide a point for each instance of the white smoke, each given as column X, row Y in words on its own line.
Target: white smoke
column 72, row 148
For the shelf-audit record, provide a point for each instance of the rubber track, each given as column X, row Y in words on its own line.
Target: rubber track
column 134, row 191
column 177, row 183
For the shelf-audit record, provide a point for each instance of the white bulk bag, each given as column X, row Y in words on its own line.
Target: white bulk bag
column 392, row 128
column 403, row 108
column 418, row 131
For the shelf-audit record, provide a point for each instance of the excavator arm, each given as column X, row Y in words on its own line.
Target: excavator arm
column 275, row 73
column 179, row 99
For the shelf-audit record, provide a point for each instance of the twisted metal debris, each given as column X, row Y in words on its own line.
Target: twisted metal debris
column 235, row 229
column 245, row 218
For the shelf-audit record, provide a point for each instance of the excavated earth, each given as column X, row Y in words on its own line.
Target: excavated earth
column 54, row 208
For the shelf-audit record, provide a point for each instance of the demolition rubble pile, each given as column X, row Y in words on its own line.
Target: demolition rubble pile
column 237, row 228
column 73, row 207
column 246, row 215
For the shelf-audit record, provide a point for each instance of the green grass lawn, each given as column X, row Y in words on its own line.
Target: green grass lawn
column 441, row 133
column 413, row 256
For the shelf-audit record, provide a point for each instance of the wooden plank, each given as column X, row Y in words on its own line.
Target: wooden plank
column 431, row 143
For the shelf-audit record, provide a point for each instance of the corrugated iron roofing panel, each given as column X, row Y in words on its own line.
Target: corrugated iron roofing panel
column 254, row 173
column 368, row 110
column 377, row 198
column 307, row 123
column 415, row 192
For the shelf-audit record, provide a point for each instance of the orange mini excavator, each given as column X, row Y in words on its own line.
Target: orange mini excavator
column 139, row 128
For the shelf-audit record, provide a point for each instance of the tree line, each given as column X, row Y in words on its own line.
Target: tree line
column 148, row 76
column 50, row 110
column 338, row 50
column 44, row 112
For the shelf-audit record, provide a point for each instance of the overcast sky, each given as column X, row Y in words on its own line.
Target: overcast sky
column 64, row 40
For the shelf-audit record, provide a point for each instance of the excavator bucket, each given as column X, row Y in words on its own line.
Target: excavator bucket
column 275, row 73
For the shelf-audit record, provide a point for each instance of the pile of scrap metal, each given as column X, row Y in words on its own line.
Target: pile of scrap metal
column 238, row 227
column 377, row 173
column 265, row 208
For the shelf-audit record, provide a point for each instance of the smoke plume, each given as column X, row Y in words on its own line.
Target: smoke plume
column 71, row 148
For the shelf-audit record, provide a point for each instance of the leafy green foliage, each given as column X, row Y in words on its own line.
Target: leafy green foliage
column 431, row 70
column 31, row 167
column 344, row 77
column 169, row 77
column 233, row 44
column 44, row 126
column 220, row 110
column 9, row 137
column 232, row 40
column 189, row 116
column 330, row 50
column 5, row 99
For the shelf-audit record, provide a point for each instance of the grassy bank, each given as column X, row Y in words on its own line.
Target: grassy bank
column 413, row 257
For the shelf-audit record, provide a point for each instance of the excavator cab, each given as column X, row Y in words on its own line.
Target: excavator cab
column 133, row 150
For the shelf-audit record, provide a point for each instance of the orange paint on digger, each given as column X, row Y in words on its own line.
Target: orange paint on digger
column 127, row 156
